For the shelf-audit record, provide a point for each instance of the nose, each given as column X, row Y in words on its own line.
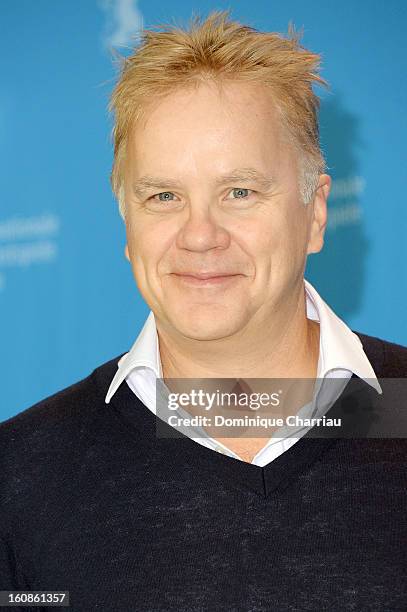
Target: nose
column 200, row 231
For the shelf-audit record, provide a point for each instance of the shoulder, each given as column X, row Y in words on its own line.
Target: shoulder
column 388, row 359
column 45, row 440
column 67, row 404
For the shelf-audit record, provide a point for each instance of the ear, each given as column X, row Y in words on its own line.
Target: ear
column 126, row 252
column 319, row 214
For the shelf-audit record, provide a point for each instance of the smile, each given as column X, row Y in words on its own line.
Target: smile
column 213, row 281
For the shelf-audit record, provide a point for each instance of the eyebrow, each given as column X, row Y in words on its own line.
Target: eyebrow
column 239, row 175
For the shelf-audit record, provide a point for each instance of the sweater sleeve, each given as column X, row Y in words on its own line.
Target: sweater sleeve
column 11, row 575
column 8, row 568
column 11, row 578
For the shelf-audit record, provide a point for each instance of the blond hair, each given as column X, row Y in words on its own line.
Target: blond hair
column 220, row 49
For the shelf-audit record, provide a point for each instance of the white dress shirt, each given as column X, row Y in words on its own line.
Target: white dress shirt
column 340, row 355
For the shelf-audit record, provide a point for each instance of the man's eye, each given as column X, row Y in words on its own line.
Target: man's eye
column 241, row 192
column 163, row 193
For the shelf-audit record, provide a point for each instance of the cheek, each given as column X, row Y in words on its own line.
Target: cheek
column 260, row 238
column 275, row 243
column 148, row 241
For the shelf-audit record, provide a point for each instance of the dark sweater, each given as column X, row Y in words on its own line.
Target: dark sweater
column 93, row 503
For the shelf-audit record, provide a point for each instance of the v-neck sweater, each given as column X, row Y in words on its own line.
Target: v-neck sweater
column 94, row 503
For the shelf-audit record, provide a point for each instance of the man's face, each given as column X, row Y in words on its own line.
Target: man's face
column 256, row 232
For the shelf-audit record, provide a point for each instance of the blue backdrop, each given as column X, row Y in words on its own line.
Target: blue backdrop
column 67, row 294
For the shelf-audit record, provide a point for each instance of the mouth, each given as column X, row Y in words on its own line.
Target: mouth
column 207, row 280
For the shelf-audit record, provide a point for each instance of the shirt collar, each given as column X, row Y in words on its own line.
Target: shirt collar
column 339, row 347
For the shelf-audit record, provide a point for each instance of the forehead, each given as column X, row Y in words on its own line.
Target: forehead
column 223, row 95
column 236, row 124
column 235, row 106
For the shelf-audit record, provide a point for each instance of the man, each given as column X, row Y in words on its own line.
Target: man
column 221, row 184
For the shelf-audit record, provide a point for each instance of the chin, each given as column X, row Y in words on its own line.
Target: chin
column 199, row 325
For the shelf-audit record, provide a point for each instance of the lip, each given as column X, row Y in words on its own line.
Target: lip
column 207, row 279
column 204, row 275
